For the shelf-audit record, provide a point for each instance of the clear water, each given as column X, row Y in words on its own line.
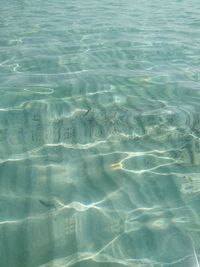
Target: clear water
column 99, row 133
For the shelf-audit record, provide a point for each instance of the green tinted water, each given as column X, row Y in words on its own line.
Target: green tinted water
column 99, row 133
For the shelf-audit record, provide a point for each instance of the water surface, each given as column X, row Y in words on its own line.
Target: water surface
column 99, row 133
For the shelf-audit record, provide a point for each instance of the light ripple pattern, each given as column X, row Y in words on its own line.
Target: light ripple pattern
column 99, row 133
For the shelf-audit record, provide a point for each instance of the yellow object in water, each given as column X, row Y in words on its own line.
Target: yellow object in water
column 147, row 79
column 116, row 166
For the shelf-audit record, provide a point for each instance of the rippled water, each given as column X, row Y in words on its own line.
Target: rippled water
column 99, row 133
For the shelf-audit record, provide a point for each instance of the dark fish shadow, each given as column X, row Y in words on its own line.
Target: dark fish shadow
column 47, row 204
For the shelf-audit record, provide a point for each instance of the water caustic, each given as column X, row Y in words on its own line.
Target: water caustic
column 99, row 133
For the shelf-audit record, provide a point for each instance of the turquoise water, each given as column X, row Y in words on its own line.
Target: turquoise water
column 99, row 133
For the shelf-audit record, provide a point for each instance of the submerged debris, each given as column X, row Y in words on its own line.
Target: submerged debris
column 147, row 79
column 116, row 166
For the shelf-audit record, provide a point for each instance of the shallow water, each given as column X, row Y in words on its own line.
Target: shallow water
column 99, row 133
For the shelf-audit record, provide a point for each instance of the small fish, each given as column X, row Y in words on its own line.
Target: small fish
column 190, row 178
column 87, row 112
column 116, row 166
column 47, row 204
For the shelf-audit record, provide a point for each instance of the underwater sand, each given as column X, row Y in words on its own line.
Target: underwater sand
column 99, row 133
